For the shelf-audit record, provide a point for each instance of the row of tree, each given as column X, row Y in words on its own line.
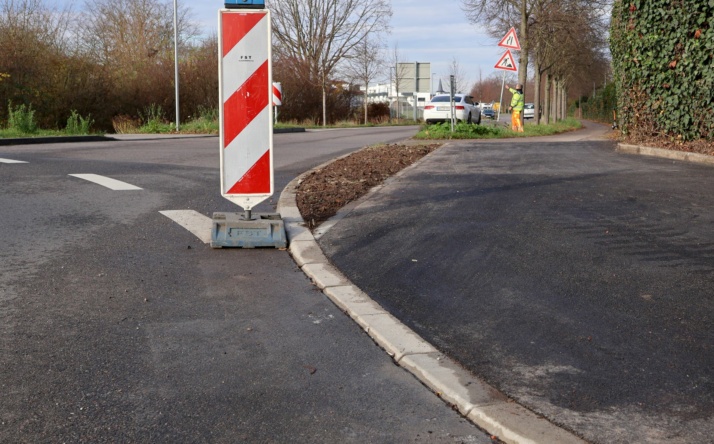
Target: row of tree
column 563, row 41
column 115, row 57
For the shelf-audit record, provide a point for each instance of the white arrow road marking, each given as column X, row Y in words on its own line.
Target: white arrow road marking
column 11, row 161
column 112, row 184
column 193, row 221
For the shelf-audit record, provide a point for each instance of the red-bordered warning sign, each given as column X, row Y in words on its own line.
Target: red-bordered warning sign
column 510, row 41
column 507, row 62
column 246, row 90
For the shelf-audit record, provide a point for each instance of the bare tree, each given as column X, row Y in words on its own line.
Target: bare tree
column 131, row 32
column 499, row 16
column 324, row 32
column 399, row 74
column 132, row 43
column 568, row 44
column 537, row 21
column 33, row 38
column 460, row 80
column 365, row 64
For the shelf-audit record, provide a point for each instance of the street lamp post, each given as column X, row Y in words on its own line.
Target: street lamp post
column 176, row 62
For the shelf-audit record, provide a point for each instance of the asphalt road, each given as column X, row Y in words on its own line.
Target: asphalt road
column 117, row 325
column 575, row 279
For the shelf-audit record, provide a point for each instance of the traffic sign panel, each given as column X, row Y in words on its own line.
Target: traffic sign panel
column 506, row 62
column 246, row 127
column 277, row 94
column 510, row 41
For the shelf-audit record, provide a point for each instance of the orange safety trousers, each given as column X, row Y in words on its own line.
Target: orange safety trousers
column 516, row 121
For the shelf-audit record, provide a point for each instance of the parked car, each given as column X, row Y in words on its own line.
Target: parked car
column 439, row 109
column 529, row 111
column 488, row 113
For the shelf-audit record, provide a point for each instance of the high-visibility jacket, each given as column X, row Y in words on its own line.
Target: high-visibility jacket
column 517, row 101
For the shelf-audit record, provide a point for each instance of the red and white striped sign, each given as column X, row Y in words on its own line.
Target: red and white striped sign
column 277, row 94
column 246, row 127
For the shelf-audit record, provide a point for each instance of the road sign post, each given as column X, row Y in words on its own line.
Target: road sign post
column 506, row 62
column 277, row 99
column 246, row 126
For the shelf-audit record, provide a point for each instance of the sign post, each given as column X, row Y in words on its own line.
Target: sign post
column 277, row 99
column 246, row 126
column 506, row 62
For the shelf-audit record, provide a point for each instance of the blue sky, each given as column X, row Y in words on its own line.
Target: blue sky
column 425, row 31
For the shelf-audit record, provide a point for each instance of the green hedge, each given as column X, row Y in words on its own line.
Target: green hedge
column 598, row 107
column 663, row 60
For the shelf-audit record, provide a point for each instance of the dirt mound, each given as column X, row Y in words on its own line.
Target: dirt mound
column 323, row 192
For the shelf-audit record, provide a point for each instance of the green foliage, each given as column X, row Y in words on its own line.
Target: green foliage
column 599, row 107
column 153, row 120
column 205, row 123
column 463, row 130
column 663, row 60
column 21, row 119
column 77, row 124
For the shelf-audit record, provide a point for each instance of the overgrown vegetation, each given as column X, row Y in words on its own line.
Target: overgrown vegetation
column 115, row 58
column 21, row 119
column 463, row 130
column 77, row 124
column 600, row 106
column 663, row 60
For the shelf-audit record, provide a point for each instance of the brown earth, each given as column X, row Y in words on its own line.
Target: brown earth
column 701, row 146
column 323, row 192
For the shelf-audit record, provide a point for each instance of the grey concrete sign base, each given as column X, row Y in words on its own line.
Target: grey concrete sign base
column 253, row 231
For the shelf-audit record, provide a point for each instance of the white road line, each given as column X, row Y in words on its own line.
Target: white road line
column 112, row 184
column 11, row 161
column 193, row 221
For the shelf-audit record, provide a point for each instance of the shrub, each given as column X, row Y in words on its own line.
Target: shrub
column 77, row 124
column 124, row 124
column 663, row 60
column 21, row 119
column 152, row 118
column 462, row 130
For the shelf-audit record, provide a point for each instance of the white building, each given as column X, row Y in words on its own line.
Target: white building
column 387, row 93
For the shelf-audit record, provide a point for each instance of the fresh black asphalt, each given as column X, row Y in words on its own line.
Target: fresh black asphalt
column 575, row 279
column 118, row 325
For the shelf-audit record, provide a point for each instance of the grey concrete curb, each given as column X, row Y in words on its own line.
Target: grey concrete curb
column 115, row 137
column 57, row 139
column 288, row 130
column 666, row 154
column 473, row 398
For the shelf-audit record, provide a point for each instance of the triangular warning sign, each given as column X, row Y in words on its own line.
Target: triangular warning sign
column 510, row 41
column 507, row 63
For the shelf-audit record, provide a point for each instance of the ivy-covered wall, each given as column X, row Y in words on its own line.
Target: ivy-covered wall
column 663, row 61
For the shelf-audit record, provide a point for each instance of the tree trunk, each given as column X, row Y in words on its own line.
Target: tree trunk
column 536, row 94
column 563, row 111
column 364, row 100
column 564, row 98
column 523, row 69
column 546, row 104
column 324, row 105
column 554, row 111
column 558, row 102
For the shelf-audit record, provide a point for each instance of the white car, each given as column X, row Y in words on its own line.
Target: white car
column 529, row 111
column 439, row 109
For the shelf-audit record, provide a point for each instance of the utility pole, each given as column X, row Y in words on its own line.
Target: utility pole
column 176, row 62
